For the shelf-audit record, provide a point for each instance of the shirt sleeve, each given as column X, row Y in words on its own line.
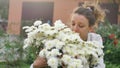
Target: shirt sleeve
column 95, row 37
column 98, row 38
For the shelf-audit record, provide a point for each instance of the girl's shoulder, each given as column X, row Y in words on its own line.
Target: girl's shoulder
column 95, row 37
column 94, row 34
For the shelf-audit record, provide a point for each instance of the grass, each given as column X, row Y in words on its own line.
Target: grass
column 21, row 65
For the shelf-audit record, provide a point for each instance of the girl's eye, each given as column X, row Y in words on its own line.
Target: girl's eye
column 73, row 24
column 81, row 26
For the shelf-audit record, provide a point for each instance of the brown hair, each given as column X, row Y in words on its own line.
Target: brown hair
column 92, row 11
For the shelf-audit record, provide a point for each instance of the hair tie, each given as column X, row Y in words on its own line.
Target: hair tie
column 89, row 9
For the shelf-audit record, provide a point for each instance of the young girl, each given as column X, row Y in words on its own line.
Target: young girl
column 83, row 20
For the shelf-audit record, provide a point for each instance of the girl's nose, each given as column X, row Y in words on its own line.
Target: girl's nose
column 75, row 28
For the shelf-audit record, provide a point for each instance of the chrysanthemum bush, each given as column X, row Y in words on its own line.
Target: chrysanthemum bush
column 61, row 46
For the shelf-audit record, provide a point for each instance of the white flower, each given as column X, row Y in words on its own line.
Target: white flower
column 37, row 23
column 66, row 59
column 42, row 53
column 29, row 29
column 75, row 64
column 71, row 50
column 50, row 33
column 55, row 52
column 81, row 52
column 45, row 26
column 72, row 38
column 27, row 42
column 53, row 43
column 53, row 62
column 59, row 44
column 62, row 45
column 100, row 52
column 59, row 25
column 50, row 44
column 67, row 30
column 25, row 46
column 26, row 27
column 32, row 34
column 49, row 54
column 60, row 35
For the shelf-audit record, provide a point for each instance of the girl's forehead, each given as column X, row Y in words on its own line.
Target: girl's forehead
column 80, row 19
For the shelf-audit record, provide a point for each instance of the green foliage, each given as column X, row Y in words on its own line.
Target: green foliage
column 31, row 54
column 111, row 42
column 2, row 33
column 105, row 29
column 111, row 65
column 11, row 50
column 21, row 65
column 112, row 52
column 12, row 53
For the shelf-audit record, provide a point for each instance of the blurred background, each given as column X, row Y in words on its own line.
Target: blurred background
column 14, row 14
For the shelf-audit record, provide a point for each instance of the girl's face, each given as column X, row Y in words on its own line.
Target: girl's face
column 80, row 24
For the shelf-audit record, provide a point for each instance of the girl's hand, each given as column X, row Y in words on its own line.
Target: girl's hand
column 40, row 62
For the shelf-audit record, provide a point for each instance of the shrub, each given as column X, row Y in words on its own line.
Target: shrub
column 111, row 41
column 11, row 50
